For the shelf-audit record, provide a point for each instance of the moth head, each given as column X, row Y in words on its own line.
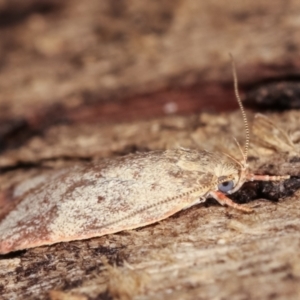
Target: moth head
column 231, row 175
column 231, row 183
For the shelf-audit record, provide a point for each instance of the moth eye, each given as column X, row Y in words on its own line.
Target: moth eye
column 226, row 186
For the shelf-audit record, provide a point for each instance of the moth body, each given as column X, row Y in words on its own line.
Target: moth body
column 118, row 194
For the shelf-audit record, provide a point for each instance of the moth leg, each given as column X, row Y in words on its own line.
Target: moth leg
column 252, row 177
column 222, row 199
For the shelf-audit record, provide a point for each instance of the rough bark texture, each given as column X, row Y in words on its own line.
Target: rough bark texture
column 71, row 71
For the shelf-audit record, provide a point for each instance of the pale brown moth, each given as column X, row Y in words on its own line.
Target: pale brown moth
column 122, row 193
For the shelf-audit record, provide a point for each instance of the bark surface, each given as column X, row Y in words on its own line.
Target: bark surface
column 83, row 81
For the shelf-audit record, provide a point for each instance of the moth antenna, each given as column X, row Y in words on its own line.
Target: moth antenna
column 245, row 120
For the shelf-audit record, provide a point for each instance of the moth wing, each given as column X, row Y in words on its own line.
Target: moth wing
column 81, row 204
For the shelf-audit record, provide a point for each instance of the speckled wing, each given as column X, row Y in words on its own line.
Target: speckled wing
column 89, row 201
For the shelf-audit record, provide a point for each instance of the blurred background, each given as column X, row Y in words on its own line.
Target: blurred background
column 110, row 61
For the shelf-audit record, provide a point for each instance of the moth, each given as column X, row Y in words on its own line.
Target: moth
column 122, row 193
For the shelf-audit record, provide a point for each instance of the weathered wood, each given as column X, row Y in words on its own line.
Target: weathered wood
column 70, row 70
column 207, row 250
